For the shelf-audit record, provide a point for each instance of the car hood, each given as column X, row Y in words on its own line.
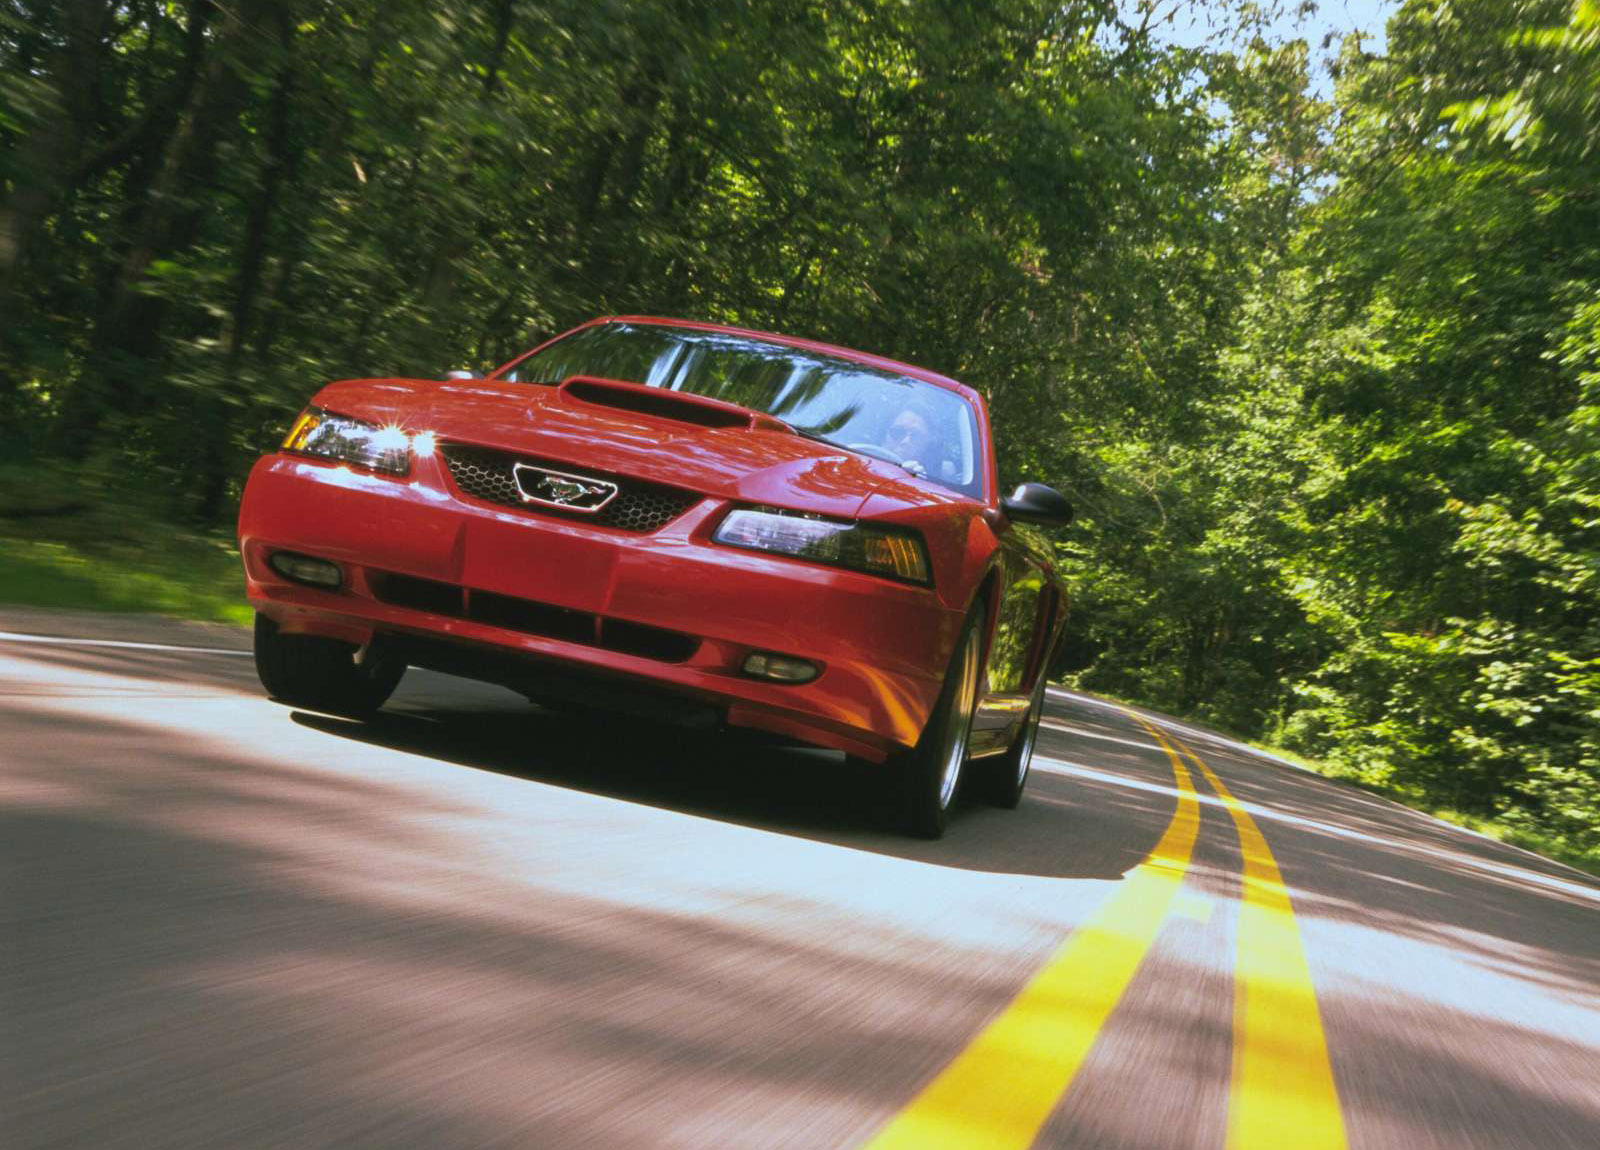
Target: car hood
column 712, row 448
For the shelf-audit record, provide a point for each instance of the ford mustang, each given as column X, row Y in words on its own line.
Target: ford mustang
column 698, row 523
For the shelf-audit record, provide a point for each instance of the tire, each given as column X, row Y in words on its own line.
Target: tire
column 322, row 674
column 930, row 774
column 1006, row 775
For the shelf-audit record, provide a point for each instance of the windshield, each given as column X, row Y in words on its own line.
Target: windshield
column 929, row 429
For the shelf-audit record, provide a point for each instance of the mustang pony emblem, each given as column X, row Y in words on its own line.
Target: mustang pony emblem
column 558, row 489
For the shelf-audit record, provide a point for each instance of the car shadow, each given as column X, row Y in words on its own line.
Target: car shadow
column 1066, row 827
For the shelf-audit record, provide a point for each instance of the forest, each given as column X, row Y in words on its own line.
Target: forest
column 1320, row 372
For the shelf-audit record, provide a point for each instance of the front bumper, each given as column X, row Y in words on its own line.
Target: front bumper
column 668, row 608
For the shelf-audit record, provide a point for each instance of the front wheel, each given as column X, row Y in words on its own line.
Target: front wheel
column 931, row 773
column 322, row 674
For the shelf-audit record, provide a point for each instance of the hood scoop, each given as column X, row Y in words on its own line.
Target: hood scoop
column 681, row 407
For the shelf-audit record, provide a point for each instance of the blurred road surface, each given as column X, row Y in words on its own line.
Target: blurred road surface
column 471, row 923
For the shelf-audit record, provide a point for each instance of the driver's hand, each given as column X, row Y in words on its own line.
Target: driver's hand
column 915, row 468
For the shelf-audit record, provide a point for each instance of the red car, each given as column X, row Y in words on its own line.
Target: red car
column 700, row 523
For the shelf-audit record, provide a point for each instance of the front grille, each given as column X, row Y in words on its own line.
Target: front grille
column 486, row 474
column 533, row 618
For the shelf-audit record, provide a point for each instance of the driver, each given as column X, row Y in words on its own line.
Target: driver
column 909, row 438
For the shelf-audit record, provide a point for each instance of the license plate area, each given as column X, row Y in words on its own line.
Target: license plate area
column 545, row 563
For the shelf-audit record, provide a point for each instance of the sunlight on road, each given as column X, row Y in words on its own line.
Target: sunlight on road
column 402, row 924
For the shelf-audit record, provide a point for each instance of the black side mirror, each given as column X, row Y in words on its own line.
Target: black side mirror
column 1036, row 503
column 461, row 374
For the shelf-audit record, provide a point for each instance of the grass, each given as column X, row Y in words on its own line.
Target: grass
column 1549, row 845
column 72, row 538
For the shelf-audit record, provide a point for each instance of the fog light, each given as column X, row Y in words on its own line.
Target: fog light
column 304, row 569
column 779, row 668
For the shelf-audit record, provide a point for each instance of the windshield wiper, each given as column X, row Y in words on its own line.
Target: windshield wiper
column 911, row 465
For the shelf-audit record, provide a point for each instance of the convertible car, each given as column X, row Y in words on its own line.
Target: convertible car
column 698, row 523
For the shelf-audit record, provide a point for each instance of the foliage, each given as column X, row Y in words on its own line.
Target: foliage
column 1446, row 361
column 1322, row 377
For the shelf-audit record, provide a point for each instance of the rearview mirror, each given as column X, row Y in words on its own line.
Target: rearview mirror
column 1036, row 503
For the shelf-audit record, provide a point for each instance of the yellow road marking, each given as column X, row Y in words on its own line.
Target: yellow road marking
column 1283, row 1093
column 1000, row 1090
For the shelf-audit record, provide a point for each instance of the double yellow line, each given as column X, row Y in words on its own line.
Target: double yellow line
column 1002, row 1088
column 1283, row 1092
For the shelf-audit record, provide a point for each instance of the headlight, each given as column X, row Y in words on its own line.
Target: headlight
column 894, row 554
column 329, row 436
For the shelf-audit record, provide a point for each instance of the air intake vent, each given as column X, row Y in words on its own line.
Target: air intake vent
column 418, row 594
column 533, row 618
column 674, row 405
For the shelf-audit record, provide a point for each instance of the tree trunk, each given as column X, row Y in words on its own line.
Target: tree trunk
column 222, row 405
column 444, row 265
column 49, row 152
column 127, row 335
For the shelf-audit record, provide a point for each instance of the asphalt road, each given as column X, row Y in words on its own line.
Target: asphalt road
column 472, row 923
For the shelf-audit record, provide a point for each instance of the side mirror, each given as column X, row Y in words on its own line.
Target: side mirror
column 1036, row 503
column 461, row 373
